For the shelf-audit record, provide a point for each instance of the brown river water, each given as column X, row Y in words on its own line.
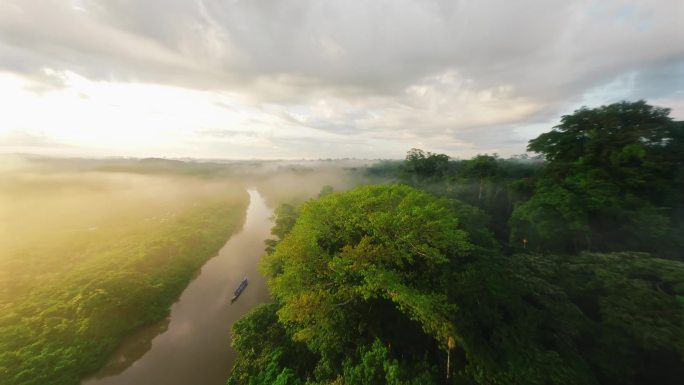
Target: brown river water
column 192, row 346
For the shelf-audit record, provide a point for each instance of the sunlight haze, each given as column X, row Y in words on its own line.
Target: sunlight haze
column 326, row 192
column 267, row 79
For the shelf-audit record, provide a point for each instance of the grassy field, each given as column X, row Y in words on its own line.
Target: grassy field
column 87, row 256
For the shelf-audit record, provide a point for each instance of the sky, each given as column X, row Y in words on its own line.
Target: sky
column 292, row 79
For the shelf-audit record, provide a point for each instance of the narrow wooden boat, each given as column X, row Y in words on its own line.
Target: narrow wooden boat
column 239, row 289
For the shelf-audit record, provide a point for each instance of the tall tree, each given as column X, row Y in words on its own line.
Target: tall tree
column 481, row 167
column 612, row 180
column 423, row 167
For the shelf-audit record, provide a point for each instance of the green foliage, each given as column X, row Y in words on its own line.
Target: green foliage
column 479, row 167
column 375, row 366
column 394, row 285
column 266, row 352
column 68, row 298
column 380, row 284
column 552, row 219
column 423, row 167
column 613, row 182
column 493, row 185
column 609, row 135
column 486, row 182
column 274, row 375
column 634, row 327
column 368, row 250
column 284, row 217
column 372, row 242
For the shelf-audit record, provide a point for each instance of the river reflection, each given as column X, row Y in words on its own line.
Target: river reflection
column 192, row 346
column 132, row 348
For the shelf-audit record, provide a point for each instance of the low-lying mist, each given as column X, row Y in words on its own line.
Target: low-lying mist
column 91, row 249
column 47, row 205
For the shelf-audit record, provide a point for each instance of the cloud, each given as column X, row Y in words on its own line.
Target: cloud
column 662, row 80
column 18, row 138
column 374, row 47
column 461, row 75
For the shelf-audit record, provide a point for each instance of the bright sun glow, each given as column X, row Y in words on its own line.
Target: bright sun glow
column 125, row 117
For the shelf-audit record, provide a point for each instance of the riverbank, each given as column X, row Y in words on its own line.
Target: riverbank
column 192, row 345
column 113, row 255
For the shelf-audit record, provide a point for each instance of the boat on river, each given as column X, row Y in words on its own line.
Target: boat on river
column 239, row 289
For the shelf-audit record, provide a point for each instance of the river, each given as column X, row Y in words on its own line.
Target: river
column 192, row 346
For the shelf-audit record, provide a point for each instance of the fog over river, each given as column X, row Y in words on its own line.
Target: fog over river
column 192, row 346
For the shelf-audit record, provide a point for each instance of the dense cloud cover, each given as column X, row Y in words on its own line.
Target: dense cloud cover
column 348, row 78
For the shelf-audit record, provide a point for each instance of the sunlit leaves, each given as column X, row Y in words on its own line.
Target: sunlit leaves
column 67, row 326
column 372, row 242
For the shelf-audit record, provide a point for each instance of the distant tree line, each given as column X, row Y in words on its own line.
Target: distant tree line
column 604, row 179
